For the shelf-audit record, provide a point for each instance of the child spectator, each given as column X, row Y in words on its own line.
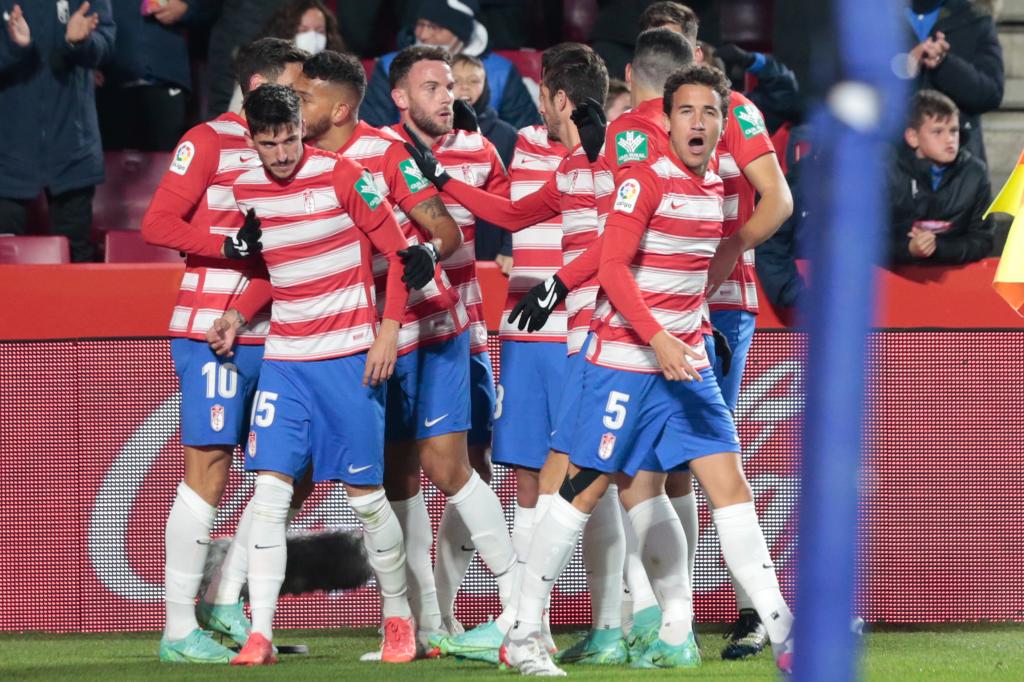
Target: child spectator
column 938, row 191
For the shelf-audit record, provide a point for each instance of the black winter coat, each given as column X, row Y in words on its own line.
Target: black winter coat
column 961, row 198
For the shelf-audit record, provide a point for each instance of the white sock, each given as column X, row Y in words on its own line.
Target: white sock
column 522, row 537
column 268, row 549
column 743, row 600
column 604, row 552
column 663, row 552
column 415, row 522
column 746, row 555
column 686, row 510
column 385, row 548
column 186, row 544
column 543, row 505
column 551, row 549
column 634, row 574
column 455, row 553
column 227, row 582
column 481, row 512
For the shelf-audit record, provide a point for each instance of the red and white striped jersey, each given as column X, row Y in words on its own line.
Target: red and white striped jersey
column 434, row 313
column 745, row 139
column 313, row 228
column 471, row 158
column 536, row 250
column 665, row 225
column 206, row 162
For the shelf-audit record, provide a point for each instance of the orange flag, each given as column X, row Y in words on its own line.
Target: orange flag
column 1009, row 281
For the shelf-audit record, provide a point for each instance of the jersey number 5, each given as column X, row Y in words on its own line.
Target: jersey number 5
column 616, row 410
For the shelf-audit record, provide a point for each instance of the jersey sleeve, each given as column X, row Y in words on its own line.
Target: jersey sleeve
column 194, row 165
column 408, row 186
column 746, row 135
column 510, row 215
column 629, row 143
column 497, row 180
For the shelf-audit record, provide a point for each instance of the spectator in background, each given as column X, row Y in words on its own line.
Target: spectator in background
column 938, row 190
column 776, row 94
column 452, row 24
column 775, row 260
column 51, row 136
column 619, row 22
column 492, row 243
column 618, row 100
column 141, row 103
column 957, row 53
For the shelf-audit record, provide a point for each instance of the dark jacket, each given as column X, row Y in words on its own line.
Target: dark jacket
column 961, row 198
column 775, row 260
column 47, row 106
column 240, row 23
column 501, row 134
column 777, row 93
column 972, row 72
column 490, row 239
column 509, row 95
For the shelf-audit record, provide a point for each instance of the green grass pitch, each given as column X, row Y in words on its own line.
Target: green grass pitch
column 973, row 653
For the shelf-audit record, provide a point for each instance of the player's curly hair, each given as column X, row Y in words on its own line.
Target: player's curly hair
column 339, row 69
column 269, row 108
column 698, row 74
column 285, row 22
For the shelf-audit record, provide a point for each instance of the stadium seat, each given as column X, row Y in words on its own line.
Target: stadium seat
column 129, row 247
column 368, row 65
column 49, row 250
column 578, row 18
column 527, row 61
column 132, row 177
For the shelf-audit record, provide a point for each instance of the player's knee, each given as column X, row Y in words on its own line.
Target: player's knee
column 271, row 499
column 449, row 476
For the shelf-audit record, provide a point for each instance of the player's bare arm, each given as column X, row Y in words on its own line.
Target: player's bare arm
column 432, row 216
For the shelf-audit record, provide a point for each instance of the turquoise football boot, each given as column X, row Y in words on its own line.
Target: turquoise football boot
column 197, row 647
column 662, row 655
column 598, row 647
column 646, row 625
column 226, row 619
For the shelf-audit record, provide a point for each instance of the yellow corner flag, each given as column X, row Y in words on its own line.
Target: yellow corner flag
column 1009, row 281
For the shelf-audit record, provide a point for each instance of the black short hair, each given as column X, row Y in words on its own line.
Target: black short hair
column 403, row 62
column 697, row 74
column 266, row 57
column 580, row 73
column 338, row 69
column 661, row 13
column 659, row 53
column 552, row 53
column 930, row 103
column 270, row 108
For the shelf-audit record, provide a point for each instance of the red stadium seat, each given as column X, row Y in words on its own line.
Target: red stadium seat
column 527, row 61
column 132, row 177
column 129, row 247
column 49, row 250
column 368, row 65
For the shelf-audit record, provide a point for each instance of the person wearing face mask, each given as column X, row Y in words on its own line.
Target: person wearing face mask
column 452, row 24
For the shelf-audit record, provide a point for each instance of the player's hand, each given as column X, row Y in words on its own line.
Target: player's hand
column 504, row 263
column 672, row 357
column 464, row 116
column 428, row 164
column 723, row 351
column 381, row 358
column 81, row 26
column 171, row 12
column 590, row 122
column 420, row 261
column 723, row 263
column 536, row 305
column 246, row 241
column 221, row 334
column 17, row 28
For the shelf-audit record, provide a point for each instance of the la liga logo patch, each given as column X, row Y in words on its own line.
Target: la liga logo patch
column 626, row 196
column 183, row 156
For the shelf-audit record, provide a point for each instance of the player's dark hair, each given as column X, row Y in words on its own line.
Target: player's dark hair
column 553, row 53
column 403, row 62
column 338, row 69
column 930, row 104
column 271, row 108
column 580, row 73
column 698, row 74
column 658, row 54
column 660, row 13
column 266, row 57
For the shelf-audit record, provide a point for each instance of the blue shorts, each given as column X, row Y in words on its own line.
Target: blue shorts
column 428, row 395
column 563, row 435
column 529, row 395
column 481, row 395
column 216, row 392
column 318, row 413
column 738, row 327
column 630, row 421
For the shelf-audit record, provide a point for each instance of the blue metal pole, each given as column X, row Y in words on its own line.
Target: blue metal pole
column 863, row 110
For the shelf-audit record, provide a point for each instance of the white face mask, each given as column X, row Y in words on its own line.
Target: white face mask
column 311, row 41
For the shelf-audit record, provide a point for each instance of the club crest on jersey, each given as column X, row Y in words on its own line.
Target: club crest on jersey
column 308, row 202
column 367, row 189
column 626, row 196
column 252, row 444
column 183, row 156
column 630, row 145
column 468, row 176
column 607, row 446
column 413, row 175
column 217, row 418
column 750, row 120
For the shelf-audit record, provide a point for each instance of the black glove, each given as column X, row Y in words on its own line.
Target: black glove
column 590, row 122
column 723, row 351
column 536, row 305
column 733, row 54
column 419, row 261
column 246, row 241
column 428, row 164
column 464, row 116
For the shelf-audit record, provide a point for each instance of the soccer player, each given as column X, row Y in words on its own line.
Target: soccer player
column 193, row 210
column 320, row 399
column 650, row 400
